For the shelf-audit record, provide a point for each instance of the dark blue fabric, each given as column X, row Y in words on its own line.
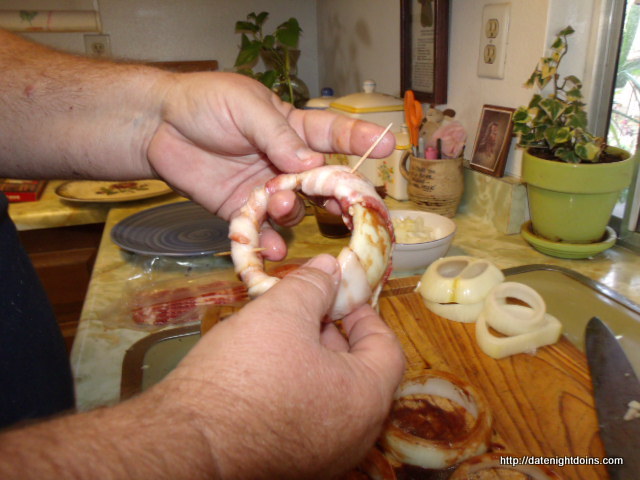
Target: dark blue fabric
column 35, row 376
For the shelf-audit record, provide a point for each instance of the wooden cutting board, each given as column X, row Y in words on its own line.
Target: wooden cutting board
column 542, row 404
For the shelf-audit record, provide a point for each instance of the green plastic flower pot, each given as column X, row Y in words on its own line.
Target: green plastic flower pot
column 570, row 202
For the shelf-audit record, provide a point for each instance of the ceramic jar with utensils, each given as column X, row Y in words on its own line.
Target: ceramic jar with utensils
column 434, row 185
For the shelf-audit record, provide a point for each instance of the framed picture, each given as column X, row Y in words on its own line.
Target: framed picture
column 493, row 140
column 424, row 49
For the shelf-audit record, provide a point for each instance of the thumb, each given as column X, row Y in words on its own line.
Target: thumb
column 304, row 296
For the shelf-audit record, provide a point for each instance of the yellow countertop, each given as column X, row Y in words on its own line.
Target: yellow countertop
column 105, row 332
column 51, row 211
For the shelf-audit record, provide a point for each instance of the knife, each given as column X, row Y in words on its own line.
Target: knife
column 614, row 386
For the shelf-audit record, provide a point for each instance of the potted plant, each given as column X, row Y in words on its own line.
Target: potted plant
column 279, row 52
column 573, row 179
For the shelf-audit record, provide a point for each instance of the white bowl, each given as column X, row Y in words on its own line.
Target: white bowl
column 418, row 256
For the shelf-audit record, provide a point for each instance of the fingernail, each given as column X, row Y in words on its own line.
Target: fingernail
column 324, row 262
column 305, row 155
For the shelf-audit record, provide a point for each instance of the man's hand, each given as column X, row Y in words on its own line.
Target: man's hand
column 279, row 394
column 222, row 134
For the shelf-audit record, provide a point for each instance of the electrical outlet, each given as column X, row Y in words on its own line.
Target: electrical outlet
column 493, row 40
column 97, row 45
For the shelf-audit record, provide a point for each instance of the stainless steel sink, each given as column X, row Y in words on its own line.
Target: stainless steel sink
column 570, row 296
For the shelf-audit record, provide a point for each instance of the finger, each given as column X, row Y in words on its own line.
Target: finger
column 374, row 343
column 286, row 208
column 331, row 338
column 295, row 149
column 275, row 248
column 325, row 132
column 302, row 298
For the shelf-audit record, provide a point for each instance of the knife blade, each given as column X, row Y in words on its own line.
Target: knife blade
column 614, row 386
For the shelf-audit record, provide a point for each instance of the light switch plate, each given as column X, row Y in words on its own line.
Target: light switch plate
column 493, row 40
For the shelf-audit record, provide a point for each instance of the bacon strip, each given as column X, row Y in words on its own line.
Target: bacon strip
column 180, row 305
column 365, row 264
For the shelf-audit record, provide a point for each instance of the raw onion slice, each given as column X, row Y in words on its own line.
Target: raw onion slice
column 514, row 321
column 500, row 347
column 492, row 461
column 437, row 453
column 459, row 279
column 458, row 312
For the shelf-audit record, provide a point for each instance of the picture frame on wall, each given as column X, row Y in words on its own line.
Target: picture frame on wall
column 493, row 140
column 424, row 49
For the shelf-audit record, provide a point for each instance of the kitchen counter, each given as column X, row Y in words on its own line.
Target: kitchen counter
column 51, row 211
column 105, row 333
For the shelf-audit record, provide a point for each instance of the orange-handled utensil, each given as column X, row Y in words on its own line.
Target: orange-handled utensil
column 413, row 116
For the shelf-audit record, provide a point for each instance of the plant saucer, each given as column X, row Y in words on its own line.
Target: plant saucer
column 567, row 250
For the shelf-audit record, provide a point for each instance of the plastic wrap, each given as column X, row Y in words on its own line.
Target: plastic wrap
column 167, row 291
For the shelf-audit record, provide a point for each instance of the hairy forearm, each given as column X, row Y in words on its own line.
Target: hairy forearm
column 142, row 438
column 67, row 116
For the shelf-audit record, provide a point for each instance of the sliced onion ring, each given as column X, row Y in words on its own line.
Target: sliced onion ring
column 413, row 450
column 510, row 321
column 500, row 347
column 458, row 312
column 492, row 461
column 459, row 279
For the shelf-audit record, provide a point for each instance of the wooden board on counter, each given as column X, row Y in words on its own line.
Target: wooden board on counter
column 542, row 404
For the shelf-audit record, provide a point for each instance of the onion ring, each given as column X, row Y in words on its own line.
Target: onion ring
column 492, row 461
column 509, row 321
column 458, row 312
column 459, row 279
column 501, row 347
column 411, row 449
column 365, row 264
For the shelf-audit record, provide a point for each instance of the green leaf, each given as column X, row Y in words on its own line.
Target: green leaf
column 567, row 155
column 288, row 33
column 246, row 27
column 568, row 30
column 521, row 115
column 577, row 119
column 588, row 151
column 573, row 79
column 527, row 139
column 532, row 80
column 552, row 107
column 543, row 82
column 268, row 78
column 269, row 41
column 574, row 94
column 557, row 135
column 535, row 101
column 558, row 43
column 521, row 128
column 261, row 18
column 548, row 72
column 249, row 52
column 539, row 132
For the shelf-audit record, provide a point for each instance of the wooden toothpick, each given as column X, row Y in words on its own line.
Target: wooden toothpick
column 368, row 152
column 222, row 254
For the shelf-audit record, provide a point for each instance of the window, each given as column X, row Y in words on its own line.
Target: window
column 618, row 116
